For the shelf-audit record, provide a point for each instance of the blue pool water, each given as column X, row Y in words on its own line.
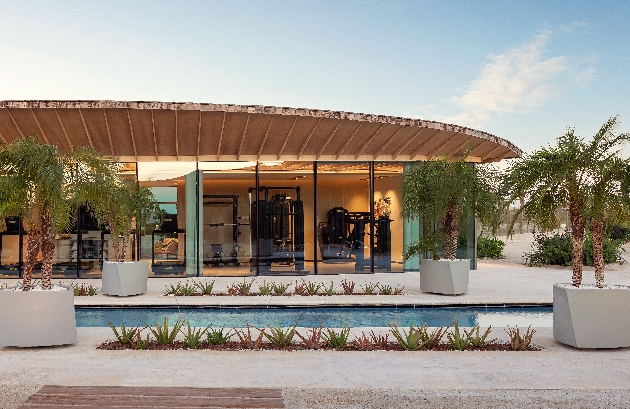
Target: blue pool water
column 309, row 317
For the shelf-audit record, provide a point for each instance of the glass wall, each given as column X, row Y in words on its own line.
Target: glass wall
column 344, row 215
column 248, row 218
column 389, row 225
column 283, row 218
column 226, row 242
column 165, row 244
column 10, row 244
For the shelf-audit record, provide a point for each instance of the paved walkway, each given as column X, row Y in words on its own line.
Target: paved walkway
column 493, row 283
column 351, row 379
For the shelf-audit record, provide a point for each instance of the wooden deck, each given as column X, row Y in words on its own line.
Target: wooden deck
column 122, row 397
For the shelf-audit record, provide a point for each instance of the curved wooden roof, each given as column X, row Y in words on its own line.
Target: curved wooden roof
column 166, row 131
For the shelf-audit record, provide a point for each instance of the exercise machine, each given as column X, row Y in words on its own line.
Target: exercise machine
column 277, row 228
column 218, row 256
column 342, row 239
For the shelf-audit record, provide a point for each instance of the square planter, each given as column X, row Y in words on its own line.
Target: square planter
column 37, row 318
column 591, row 317
column 444, row 276
column 123, row 279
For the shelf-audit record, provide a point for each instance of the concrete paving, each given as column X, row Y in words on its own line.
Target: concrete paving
column 493, row 283
column 351, row 379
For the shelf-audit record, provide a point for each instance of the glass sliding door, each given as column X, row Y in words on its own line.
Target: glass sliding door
column 343, row 217
column 194, row 221
column 227, row 196
column 165, row 244
column 284, row 210
column 389, row 227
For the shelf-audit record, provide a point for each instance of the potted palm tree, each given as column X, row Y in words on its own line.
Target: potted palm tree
column 592, row 180
column 36, row 185
column 125, row 209
column 441, row 193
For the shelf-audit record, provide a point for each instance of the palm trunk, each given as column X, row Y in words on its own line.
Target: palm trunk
column 123, row 252
column 454, row 233
column 114, row 238
column 451, row 232
column 48, row 250
column 33, row 245
column 447, row 235
column 577, row 233
column 597, row 231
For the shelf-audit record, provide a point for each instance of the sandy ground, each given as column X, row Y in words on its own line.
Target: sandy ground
column 517, row 245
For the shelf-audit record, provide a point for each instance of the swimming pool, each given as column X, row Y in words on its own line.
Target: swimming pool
column 309, row 317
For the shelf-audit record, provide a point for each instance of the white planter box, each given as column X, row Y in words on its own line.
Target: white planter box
column 444, row 276
column 591, row 317
column 123, row 279
column 37, row 318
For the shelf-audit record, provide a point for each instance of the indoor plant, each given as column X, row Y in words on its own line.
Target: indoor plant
column 592, row 180
column 441, row 193
column 38, row 184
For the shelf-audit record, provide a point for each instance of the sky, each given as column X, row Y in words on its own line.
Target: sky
column 521, row 70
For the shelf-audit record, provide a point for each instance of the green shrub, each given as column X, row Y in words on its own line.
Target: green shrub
column 619, row 233
column 489, row 247
column 558, row 250
column 612, row 251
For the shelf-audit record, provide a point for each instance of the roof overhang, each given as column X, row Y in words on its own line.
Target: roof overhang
column 165, row 131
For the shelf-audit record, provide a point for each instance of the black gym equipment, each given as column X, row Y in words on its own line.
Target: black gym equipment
column 218, row 257
column 341, row 239
column 277, row 226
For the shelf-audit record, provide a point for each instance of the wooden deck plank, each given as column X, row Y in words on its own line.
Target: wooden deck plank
column 162, row 391
column 180, row 401
column 135, row 406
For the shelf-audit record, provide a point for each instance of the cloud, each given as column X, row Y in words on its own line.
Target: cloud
column 519, row 80
column 585, row 77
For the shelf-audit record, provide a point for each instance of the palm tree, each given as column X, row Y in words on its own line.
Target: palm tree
column 442, row 190
column 574, row 174
column 37, row 184
column 32, row 188
column 120, row 204
column 610, row 187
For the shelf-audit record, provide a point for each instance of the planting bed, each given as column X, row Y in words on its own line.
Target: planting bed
column 267, row 346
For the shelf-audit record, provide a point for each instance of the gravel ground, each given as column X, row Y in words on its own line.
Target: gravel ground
column 466, row 398
column 13, row 395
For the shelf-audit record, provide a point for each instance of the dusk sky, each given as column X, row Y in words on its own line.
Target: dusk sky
column 522, row 70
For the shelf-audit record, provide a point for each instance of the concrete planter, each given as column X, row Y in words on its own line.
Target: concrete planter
column 37, row 318
column 444, row 276
column 123, row 279
column 591, row 317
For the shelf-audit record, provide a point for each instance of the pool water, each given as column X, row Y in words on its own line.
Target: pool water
column 310, row 317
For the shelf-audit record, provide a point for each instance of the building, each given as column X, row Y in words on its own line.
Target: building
column 248, row 189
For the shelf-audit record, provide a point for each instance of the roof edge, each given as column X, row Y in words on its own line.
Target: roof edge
column 260, row 109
